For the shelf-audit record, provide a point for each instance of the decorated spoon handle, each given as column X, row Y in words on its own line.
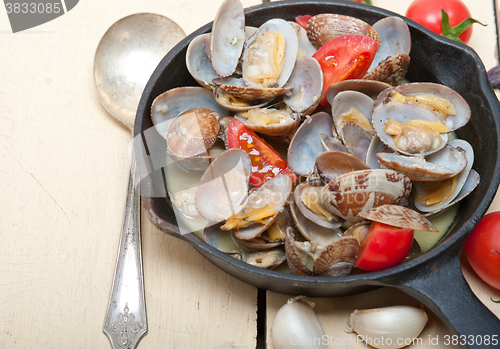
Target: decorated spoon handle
column 126, row 321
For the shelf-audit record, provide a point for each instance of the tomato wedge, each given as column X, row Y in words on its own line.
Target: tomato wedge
column 345, row 57
column 302, row 20
column 266, row 162
column 383, row 247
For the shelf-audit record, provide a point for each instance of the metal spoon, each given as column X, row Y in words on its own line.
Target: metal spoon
column 126, row 57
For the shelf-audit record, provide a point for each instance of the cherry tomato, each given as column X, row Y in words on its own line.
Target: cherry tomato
column 345, row 57
column 302, row 20
column 266, row 162
column 428, row 14
column 383, row 247
column 482, row 249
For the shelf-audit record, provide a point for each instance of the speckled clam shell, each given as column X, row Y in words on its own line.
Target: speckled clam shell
column 332, row 164
column 351, row 193
column 192, row 133
column 174, row 102
column 444, row 164
column 371, row 88
column 398, row 216
column 308, row 230
column 306, row 258
column 391, row 71
column 327, row 26
column 291, row 49
column 224, row 185
column 306, row 143
column 462, row 108
column 274, row 192
column 401, row 112
column 274, row 129
column 228, row 37
column 308, row 80
column 237, row 87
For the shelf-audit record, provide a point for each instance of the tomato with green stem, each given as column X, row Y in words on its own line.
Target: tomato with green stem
column 345, row 57
column 266, row 161
column 450, row 18
column 482, row 249
column 383, row 247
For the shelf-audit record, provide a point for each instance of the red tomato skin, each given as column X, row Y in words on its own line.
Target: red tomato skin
column 302, row 20
column 266, row 162
column 345, row 57
column 479, row 249
column 428, row 14
column 385, row 246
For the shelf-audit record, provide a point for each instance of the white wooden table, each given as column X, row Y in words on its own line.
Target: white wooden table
column 63, row 174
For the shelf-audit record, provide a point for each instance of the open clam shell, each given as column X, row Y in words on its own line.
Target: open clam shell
column 238, row 88
column 306, row 143
column 307, row 258
column 308, row 80
column 446, row 163
column 332, row 143
column 402, row 113
column 357, row 140
column 224, row 185
column 273, row 193
column 392, row 59
column 320, row 220
column 268, row 259
column 228, row 37
column 255, row 56
column 197, row 63
column 453, row 122
column 328, row 26
column 174, row 102
column 464, row 148
column 235, row 104
column 357, row 191
column 288, row 121
column 395, row 39
column 343, row 104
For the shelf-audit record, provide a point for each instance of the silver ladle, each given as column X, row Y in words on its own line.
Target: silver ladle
column 126, row 57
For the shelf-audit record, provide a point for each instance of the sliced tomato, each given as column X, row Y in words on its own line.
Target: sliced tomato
column 383, row 247
column 345, row 57
column 302, row 20
column 266, row 162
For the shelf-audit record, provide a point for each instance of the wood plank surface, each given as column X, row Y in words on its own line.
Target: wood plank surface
column 63, row 177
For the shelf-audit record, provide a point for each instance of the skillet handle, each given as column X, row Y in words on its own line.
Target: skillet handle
column 441, row 286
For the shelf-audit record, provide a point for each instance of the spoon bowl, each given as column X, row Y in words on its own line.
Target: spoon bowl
column 126, row 57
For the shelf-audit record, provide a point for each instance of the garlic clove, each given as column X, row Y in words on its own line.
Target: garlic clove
column 296, row 326
column 389, row 327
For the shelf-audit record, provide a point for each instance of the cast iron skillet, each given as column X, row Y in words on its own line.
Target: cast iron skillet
column 434, row 278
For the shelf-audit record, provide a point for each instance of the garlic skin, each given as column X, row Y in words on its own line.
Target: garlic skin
column 389, row 327
column 296, row 326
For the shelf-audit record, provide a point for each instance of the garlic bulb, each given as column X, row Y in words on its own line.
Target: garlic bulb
column 390, row 327
column 296, row 326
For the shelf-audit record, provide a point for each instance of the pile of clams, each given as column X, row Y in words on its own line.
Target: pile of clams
column 382, row 151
